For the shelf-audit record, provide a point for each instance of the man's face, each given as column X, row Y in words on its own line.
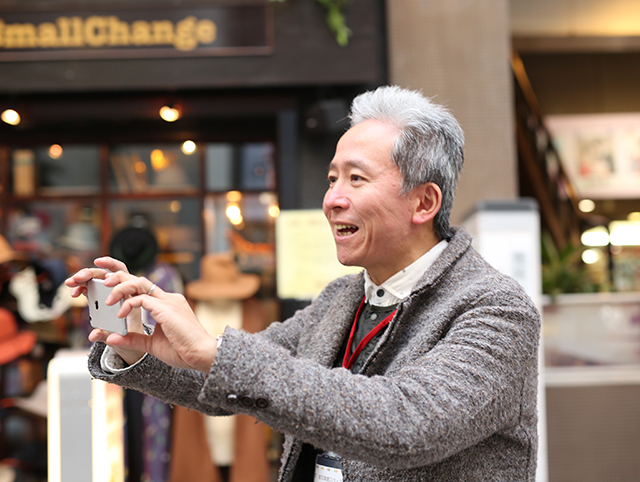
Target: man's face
column 370, row 220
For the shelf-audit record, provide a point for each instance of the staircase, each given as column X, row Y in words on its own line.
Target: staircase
column 541, row 172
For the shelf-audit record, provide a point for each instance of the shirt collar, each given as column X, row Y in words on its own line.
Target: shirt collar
column 399, row 286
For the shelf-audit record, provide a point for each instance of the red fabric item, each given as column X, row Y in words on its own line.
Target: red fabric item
column 13, row 343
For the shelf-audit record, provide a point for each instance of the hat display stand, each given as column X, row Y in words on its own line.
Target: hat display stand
column 220, row 278
column 233, row 448
column 136, row 247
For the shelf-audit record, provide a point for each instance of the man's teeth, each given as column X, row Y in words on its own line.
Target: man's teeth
column 345, row 229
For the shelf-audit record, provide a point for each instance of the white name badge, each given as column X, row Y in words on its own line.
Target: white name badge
column 328, row 468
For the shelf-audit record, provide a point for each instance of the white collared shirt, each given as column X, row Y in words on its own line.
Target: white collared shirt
column 399, row 286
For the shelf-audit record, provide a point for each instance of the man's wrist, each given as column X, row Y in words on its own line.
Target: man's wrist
column 209, row 355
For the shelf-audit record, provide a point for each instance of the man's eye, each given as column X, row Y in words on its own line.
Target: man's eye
column 355, row 177
column 332, row 179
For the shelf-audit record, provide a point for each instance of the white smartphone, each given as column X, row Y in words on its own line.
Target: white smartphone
column 100, row 315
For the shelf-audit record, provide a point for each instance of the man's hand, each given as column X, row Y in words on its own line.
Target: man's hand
column 179, row 339
column 134, row 321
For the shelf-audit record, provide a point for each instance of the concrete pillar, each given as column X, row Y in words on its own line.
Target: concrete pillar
column 458, row 51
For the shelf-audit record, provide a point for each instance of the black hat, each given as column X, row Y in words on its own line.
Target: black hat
column 135, row 247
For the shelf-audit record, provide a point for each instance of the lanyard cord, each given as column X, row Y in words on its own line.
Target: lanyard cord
column 348, row 361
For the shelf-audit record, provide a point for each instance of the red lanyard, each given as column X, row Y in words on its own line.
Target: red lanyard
column 348, row 361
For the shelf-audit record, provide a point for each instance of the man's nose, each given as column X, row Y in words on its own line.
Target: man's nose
column 335, row 197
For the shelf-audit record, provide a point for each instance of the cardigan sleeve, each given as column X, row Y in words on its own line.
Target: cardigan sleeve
column 182, row 386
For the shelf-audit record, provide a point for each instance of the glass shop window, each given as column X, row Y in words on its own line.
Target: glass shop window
column 154, row 168
column 55, row 170
column 245, row 167
column 56, row 228
column 244, row 224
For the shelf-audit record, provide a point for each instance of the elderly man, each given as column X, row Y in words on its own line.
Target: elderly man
column 421, row 368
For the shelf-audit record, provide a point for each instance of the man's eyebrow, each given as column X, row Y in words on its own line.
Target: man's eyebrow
column 350, row 163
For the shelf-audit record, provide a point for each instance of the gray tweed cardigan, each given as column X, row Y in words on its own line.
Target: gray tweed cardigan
column 449, row 393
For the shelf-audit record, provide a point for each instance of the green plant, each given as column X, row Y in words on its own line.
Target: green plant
column 563, row 270
column 335, row 19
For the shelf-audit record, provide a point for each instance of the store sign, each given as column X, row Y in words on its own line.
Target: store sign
column 164, row 32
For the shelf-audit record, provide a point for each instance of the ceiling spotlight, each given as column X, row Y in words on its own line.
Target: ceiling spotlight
column 625, row 233
column 591, row 256
column 11, row 117
column 586, row 205
column 169, row 113
column 188, row 147
column 234, row 213
column 234, row 196
column 274, row 211
column 597, row 236
column 158, row 160
column 55, row 151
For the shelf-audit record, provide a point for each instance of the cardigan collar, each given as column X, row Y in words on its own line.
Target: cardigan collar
column 401, row 284
column 339, row 317
column 458, row 245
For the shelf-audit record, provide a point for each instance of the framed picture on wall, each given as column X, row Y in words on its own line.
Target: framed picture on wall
column 601, row 153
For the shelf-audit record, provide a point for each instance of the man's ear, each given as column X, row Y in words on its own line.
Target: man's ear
column 428, row 200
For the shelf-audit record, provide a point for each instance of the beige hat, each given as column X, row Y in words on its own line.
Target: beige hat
column 221, row 279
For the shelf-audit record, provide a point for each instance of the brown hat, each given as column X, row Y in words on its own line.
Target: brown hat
column 13, row 343
column 6, row 252
column 221, row 279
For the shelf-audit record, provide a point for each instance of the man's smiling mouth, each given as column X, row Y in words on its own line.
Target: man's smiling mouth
column 345, row 229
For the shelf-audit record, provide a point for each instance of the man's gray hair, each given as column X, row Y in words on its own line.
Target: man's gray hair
column 430, row 147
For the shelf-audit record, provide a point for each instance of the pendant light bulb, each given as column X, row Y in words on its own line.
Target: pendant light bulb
column 169, row 113
column 10, row 117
